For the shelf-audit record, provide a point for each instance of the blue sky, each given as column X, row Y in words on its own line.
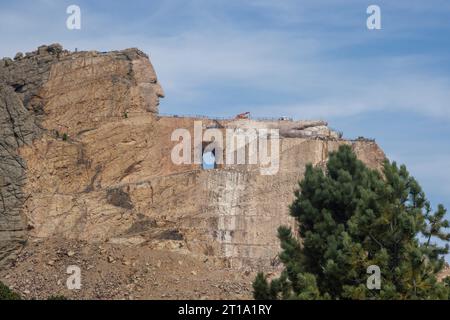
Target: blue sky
column 304, row 59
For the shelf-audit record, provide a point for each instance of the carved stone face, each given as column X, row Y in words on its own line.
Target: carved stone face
column 149, row 87
column 158, row 91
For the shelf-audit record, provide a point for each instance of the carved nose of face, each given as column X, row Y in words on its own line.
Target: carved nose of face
column 159, row 91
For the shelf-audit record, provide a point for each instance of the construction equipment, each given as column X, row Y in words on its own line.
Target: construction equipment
column 244, row 115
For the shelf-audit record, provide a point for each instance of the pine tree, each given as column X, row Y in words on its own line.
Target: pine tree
column 351, row 217
column 261, row 287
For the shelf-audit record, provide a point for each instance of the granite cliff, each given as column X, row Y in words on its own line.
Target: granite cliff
column 86, row 177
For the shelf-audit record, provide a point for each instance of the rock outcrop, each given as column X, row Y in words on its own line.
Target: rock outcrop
column 21, row 107
column 40, row 97
column 86, row 157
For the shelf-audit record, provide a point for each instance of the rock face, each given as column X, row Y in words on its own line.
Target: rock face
column 16, row 127
column 21, row 107
column 40, row 97
column 86, row 157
